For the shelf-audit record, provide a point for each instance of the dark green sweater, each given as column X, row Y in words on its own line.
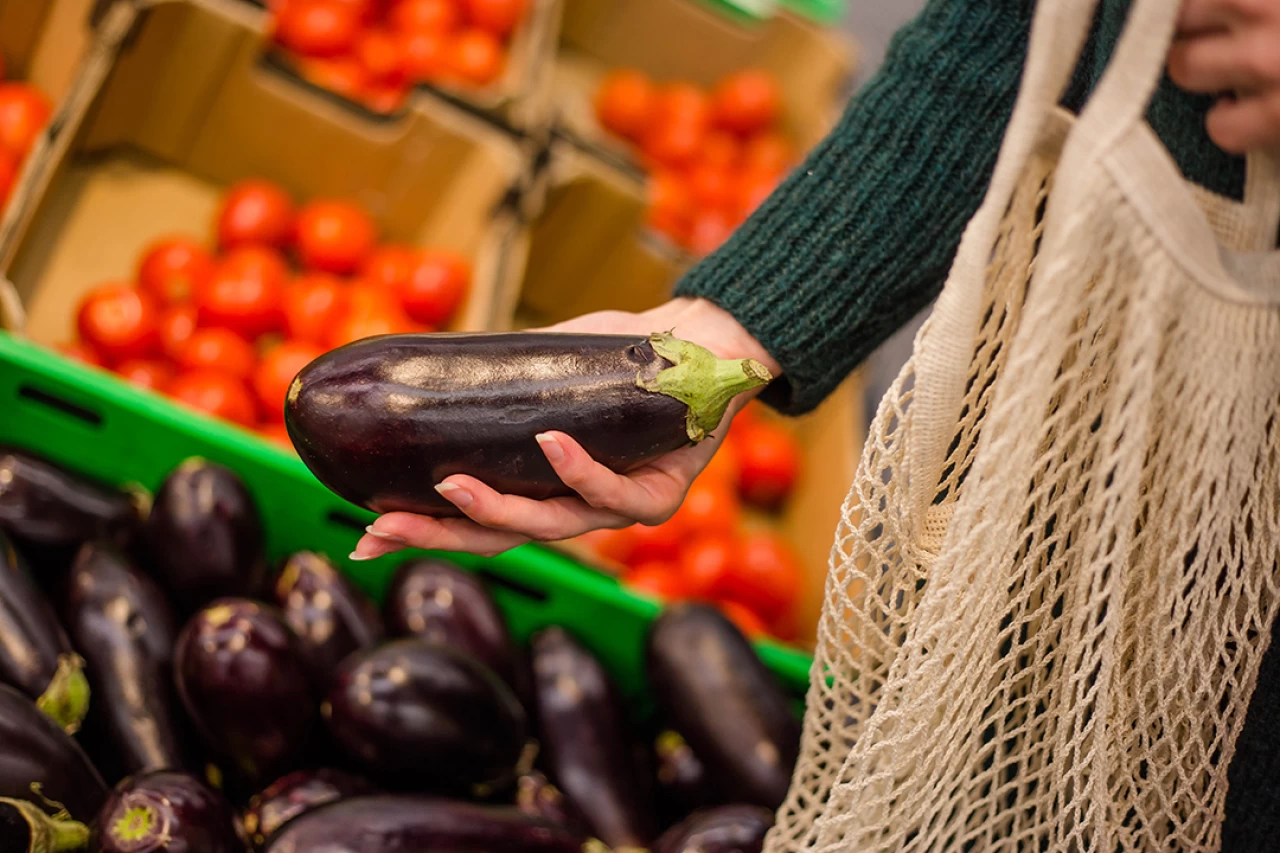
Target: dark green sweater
column 860, row 237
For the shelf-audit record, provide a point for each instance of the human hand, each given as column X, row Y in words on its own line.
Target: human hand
column 495, row 522
column 1232, row 46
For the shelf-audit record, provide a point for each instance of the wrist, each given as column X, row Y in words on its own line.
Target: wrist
column 703, row 322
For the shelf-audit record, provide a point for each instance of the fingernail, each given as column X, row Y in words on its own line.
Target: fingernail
column 456, row 495
column 390, row 537
column 550, row 446
column 359, row 559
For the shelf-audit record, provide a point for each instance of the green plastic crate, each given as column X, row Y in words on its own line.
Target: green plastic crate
column 95, row 424
column 823, row 12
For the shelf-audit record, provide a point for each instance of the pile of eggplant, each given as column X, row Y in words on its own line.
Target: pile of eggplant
column 163, row 688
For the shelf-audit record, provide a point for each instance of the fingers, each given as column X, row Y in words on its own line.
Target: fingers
column 1226, row 62
column 546, row 520
column 649, row 496
column 1246, row 124
column 398, row 530
column 1199, row 16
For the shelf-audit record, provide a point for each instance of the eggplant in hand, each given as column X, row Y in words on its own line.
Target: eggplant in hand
column 121, row 622
column 332, row 617
column 384, row 420
column 165, row 811
column 727, row 829
column 35, row 654
column 45, row 505
column 241, row 678
column 293, row 796
column 26, row 829
column 587, row 746
column 426, row 717
column 205, row 536
column 42, row 764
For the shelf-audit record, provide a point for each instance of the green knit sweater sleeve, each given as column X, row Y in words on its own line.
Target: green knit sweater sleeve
column 860, row 236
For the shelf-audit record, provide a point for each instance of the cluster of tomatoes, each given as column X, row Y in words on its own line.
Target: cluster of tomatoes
column 374, row 51
column 712, row 156
column 24, row 112
column 709, row 551
column 226, row 330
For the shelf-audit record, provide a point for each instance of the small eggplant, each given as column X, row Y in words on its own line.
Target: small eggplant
column 325, row 609
column 401, row 823
column 711, row 685
column 205, row 536
column 537, row 797
column 243, row 682
column 588, row 750
column 35, row 655
column 26, row 829
column 121, row 622
column 727, row 829
column 43, row 504
column 42, row 764
column 293, row 796
column 165, row 811
column 682, row 779
column 384, row 420
column 427, row 717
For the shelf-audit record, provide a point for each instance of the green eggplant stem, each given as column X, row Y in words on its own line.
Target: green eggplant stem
column 66, row 699
column 50, row 834
column 700, row 380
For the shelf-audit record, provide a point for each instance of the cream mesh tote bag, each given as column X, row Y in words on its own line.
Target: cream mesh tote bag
column 1057, row 569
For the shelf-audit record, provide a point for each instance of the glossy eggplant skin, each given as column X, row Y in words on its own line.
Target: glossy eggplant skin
column 241, row 677
column 35, row 751
column 293, row 796
column 24, row 828
column 727, row 829
column 712, row 687
column 332, row 617
column 168, row 811
column 43, row 504
column 121, row 623
column 204, row 536
column 383, row 420
column 35, row 654
column 402, row 823
column 586, row 743
column 425, row 717
column 682, row 779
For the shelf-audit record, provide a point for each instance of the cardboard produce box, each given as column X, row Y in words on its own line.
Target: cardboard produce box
column 174, row 103
column 44, row 41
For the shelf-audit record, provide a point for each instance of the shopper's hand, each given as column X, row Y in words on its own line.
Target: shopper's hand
column 649, row 495
column 1233, row 46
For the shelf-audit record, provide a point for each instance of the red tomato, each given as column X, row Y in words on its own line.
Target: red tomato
column 81, row 352
column 334, row 236
column 683, row 102
column 475, row 57
column 177, row 324
column 767, row 154
column 710, row 507
column 709, row 230
column 626, row 103
column 381, row 52
column 317, row 27
column 370, row 311
column 255, row 212
column 313, row 304
column 613, row 546
column 385, row 98
column 723, row 466
column 218, row 349
column 436, row 286
column 10, row 165
column 146, row 373
column 244, row 293
column 499, row 17
column 753, row 189
column 713, row 187
column 768, row 465
column 276, row 434
column 215, row 393
column 426, row 55
column 24, row 112
column 341, row 75
column 720, row 149
column 659, row 580
column 705, row 562
column 670, row 206
column 652, row 544
column 438, row 16
column 746, row 102
column 120, row 322
column 390, row 266
column 746, row 620
column 173, row 268
column 764, row 574
column 275, row 373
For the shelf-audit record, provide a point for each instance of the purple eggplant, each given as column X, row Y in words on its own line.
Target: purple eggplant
column 401, row 823
column 293, row 796
column 325, row 609
column 242, row 680
column 205, row 536
column 35, row 655
column 165, row 811
column 43, row 504
column 682, row 779
column 537, row 797
column 42, row 764
column 26, row 829
column 715, row 691
column 382, row 421
column 426, row 717
column 586, row 742
column 727, row 829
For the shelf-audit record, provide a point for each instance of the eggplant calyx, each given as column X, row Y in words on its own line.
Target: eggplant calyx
column 66, row 699
column 49, row 834
column 595, row 845
column 700, row 380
